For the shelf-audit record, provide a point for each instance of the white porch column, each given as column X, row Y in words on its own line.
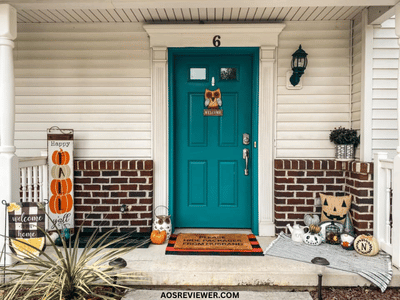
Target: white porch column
column 396, row 166
column 9, row 177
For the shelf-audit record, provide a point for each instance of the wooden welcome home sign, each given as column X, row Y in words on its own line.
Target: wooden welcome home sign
column 60, row 151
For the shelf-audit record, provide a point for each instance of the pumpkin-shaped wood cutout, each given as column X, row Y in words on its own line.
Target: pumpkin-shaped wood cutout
column 366, row 245
column 61, row 186
column 158, row 237
column 334, row 208
column 60, row 204
column 60, row 157
column 60, row 172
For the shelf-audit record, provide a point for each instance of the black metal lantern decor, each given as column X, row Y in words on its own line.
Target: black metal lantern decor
column 299, row 64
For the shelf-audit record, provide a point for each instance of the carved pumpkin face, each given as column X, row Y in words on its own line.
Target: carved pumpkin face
column 335, row 208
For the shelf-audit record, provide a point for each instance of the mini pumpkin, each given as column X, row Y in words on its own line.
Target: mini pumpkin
column 314, row 228
column 60, row 157
column 366, row 245
column 158, row 237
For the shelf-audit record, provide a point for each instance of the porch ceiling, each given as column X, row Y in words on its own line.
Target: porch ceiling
column 195, row 14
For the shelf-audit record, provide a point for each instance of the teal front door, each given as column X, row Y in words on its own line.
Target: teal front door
column 212, row 158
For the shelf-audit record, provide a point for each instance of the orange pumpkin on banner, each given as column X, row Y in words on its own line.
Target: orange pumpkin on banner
column 60, row 157
column 60, row 204
column 60, row 186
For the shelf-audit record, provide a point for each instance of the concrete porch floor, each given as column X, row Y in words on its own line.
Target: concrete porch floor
column 254, row 273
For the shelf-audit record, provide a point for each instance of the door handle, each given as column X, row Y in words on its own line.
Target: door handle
column 246, row 154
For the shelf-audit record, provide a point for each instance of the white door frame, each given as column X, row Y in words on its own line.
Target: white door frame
column 264, row 36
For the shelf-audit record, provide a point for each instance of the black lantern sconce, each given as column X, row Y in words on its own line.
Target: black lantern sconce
column 299, row 64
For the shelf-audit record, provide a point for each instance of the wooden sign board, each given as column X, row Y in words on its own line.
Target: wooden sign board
column 60, row 149
column 213, row 112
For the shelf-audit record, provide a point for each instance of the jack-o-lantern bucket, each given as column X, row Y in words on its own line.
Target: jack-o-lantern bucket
column 162, row 222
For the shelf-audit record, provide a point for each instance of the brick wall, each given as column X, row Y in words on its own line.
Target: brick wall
column 299, row 182
column 102, row 187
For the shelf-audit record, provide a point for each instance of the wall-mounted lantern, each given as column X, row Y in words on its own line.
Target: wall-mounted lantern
column 299, row 64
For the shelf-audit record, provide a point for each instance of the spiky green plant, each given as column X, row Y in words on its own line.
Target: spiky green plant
column 69, row 275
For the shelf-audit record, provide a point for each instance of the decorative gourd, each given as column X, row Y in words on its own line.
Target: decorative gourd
column 60, row 204
column 311, row 220
column 366, row 245
column 61, row 186
column 158, row 237
column 60, row 172
column 314, row 228
column 60, row 157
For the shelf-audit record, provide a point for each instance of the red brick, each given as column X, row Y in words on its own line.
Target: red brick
column 295, row 173
column 315, row 173
column 95, row 165
column 101, row 180
column 81, row 194
column 295, row 216
column 284, row 180
column 280, row 173
column 109, row 173
column 295, row 187
column 296, row 201
column 128, row 201
column 359, row 176
column 146, row 201
column 81, row 165
column 278, row 164
column 129, row 187
column 117, row 165
column 125, row 165
column 317, row 165
column 315, row 188
column 148, row 165
column 100, row 194
column 334, row 174
column 146, row 215
column 146, row 173
column 325, row 180
column 113, row 187
column 109, row 201
column 310, row 202
column 91, row 173
column 92, row 187
column 304, row 194
column 295, row 164
column 280, row 201
column 101, row 208
column 366, row 184
column 334, row 188
column 138, row 222
column 305, row 180
column 119, row 180
column 305, row 208
column 280, row 216
column 137, row 180
column 310, row 164
column 82, row 208
column 103, row 165
column 82, row 180
column 129, row 173
column 340, row 180
column 284, row 208
column 302, row 165
column 111, row 216
column 286, row 164
column 139, row 165
column 110, row 165
column 280, row 187
column 91, row 201
column 144, row 187
column 284, row 194
column 118, row 194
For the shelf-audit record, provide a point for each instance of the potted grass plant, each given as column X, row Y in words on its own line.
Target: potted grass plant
column 346, row 141
column 69, row 273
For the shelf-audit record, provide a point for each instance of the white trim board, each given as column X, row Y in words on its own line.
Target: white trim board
column 264, row 36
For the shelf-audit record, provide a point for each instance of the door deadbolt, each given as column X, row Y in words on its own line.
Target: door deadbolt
column 246, row 139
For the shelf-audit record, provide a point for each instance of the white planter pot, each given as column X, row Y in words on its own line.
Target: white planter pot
column 344, row 152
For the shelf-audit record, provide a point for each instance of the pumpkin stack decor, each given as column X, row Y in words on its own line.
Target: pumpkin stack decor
column 61, row 178
column 366, row 244
column 158, row 237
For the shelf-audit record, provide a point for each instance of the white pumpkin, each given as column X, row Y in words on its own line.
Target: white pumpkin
column 366, row 245
column 311, row 220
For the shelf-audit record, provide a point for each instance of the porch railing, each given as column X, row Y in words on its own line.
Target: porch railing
column 384, row 231
column 33, row 179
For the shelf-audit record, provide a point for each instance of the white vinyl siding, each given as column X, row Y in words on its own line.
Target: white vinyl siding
column 384, row 89
column 305, row 117
column 93, row 78
column 356, row 75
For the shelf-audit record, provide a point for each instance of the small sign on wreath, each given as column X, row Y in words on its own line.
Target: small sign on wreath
column 213, row 103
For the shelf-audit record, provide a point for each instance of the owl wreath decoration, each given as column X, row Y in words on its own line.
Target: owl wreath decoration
column 213, row 103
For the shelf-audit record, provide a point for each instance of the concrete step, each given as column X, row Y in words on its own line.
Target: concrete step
column 197, row 270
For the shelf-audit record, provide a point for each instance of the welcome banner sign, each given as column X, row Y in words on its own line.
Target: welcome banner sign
column 60, row 149
column 25, row 220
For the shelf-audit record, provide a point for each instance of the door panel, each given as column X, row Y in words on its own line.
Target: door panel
column 209, row 183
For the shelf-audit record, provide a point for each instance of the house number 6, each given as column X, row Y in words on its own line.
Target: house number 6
column 216, row 41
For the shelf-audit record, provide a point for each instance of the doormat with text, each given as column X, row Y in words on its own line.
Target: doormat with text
column 213, row 244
